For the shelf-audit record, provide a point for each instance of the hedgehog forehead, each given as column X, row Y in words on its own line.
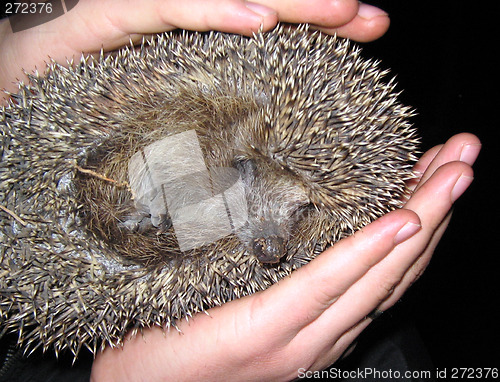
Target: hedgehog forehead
column 270, row 180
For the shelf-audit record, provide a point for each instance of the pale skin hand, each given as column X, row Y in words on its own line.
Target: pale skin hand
column 93, row 25
column 309, row 319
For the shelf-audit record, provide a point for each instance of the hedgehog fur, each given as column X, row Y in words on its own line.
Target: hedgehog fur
column 313, row 133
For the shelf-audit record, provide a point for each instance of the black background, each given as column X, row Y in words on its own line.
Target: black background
column 442, row 54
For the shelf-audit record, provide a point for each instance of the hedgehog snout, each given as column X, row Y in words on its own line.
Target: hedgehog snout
column 269, row 249
column 275, row 198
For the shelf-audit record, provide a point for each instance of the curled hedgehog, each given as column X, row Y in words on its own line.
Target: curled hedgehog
column 153, row 183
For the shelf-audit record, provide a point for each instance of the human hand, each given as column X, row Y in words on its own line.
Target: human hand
column 308, row 319
column 94, row 25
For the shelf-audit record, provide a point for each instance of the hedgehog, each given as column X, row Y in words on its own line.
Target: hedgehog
column 152, row 183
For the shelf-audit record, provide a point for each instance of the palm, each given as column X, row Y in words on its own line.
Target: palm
column 309, row 319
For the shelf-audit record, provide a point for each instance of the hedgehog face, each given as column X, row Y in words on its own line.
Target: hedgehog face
column 275, row 199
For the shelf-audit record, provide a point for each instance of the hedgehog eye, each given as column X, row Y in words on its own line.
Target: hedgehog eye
column 245, row 166
column 302, row 211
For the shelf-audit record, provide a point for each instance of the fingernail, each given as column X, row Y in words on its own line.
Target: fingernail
column 469, row 153
column 460, row 186
column 407, row 231
column 260, row 9
column 368, row 12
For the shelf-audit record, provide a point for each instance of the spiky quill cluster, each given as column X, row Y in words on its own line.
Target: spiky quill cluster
column 326, row 139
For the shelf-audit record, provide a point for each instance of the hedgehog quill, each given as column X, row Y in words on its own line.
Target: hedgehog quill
column 150, row 184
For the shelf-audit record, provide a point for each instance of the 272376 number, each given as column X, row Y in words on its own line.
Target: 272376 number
column 474, row 372
column 20, row 8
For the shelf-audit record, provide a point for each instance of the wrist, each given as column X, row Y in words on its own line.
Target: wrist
column 5, row 77
column 10, row 70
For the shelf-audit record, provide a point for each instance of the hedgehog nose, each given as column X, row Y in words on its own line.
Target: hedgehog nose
column 269, row 249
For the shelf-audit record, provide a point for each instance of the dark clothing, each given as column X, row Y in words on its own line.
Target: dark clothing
column 387, row 347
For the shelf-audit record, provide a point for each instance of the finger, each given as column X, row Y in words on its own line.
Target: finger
column 438, row 192
column 334, row 352
column 418, row 268
column 370, row 23
column 325, row 13
column 310, row 290
column 422, row 165
column 432, row 202
column 235, row 16
column 463, row 147
column 111, row 24
column 94, row 25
